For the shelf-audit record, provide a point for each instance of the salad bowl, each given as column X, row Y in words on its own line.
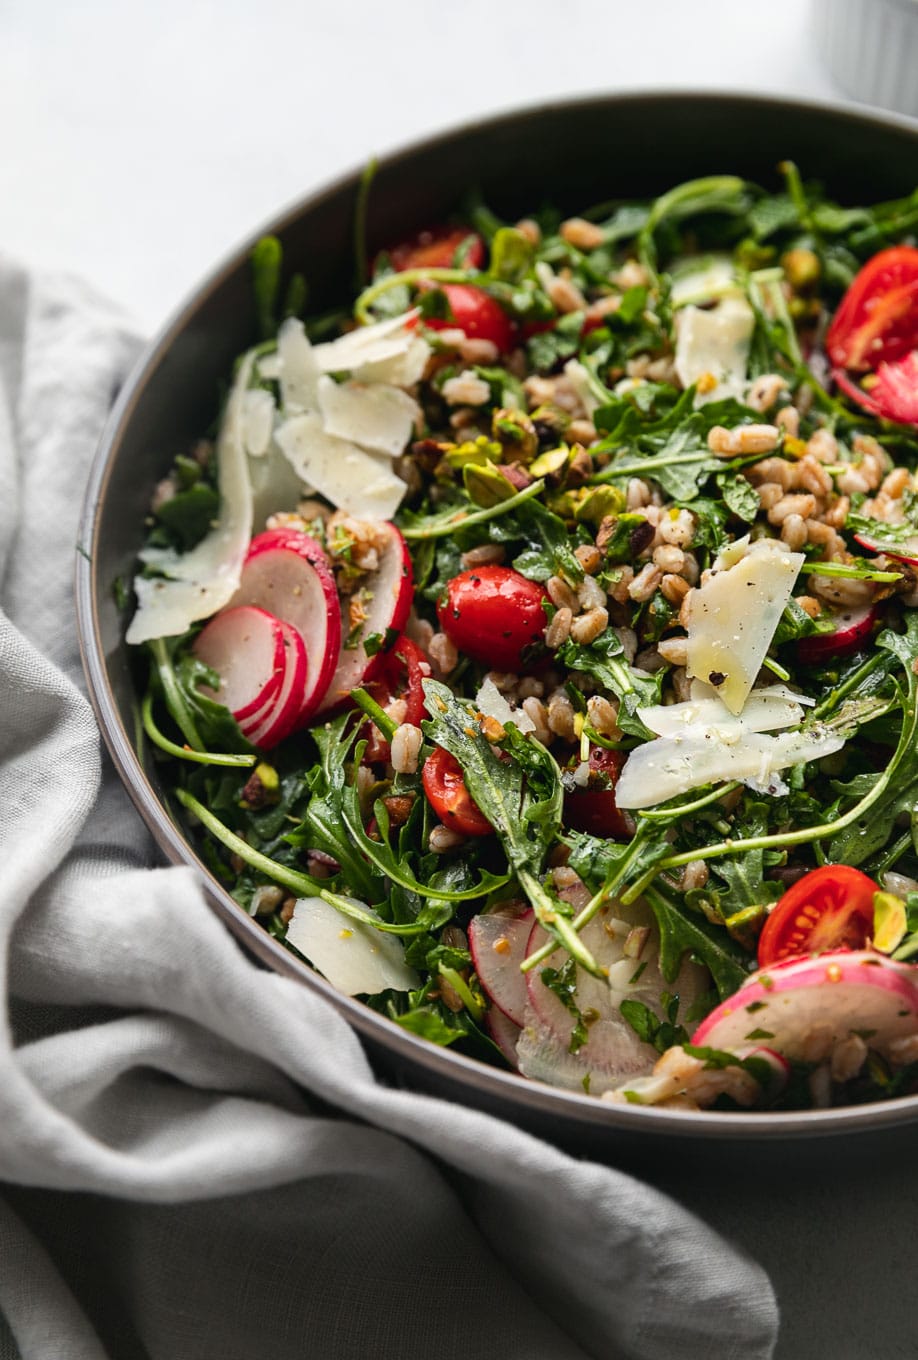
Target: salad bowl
column 578, row 152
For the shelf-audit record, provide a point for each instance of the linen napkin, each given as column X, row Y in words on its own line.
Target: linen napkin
column 199, row 1162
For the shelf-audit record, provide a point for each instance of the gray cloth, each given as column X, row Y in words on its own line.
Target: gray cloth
column 215, row 1170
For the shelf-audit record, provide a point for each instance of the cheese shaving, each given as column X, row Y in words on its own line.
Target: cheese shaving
column 355, row 958
column 195, row 584
column 361, row 483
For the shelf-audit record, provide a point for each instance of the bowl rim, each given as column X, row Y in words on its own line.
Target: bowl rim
column 466, row 1074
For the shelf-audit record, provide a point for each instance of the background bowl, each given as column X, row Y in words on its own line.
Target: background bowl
column 571, row 154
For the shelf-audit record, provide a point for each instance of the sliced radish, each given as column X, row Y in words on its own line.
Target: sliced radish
column 287, row 572
column 853, row 628
column 270, row 726
column 612, row 1051
column 505, row 1034
column 832, row 995
column 245, row 646
column 902, row 550
column 498, row 945
column 387, row 599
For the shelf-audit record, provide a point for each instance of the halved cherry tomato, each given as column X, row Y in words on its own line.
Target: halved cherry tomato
column 401, row 676
column 436, row 249
column 476, row 313
column 449, row 797
column 892, row 393
column 830, row 908
column 594, row 808
column 494, row 615
column 404, row 670
column 877, row 319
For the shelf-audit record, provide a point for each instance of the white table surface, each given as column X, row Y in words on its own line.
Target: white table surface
column 143, row 141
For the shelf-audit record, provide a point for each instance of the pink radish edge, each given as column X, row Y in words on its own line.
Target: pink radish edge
column 498, row 945
column 245, row 646
column 287, row 572
column 390, row 591
column 843, row 989
column 283, row 715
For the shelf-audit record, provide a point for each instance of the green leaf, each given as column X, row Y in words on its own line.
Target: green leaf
column 511, row 255
column 604, row 660
column 189, row 515
column 739, row 496
column 681, row 934
column 267, row 260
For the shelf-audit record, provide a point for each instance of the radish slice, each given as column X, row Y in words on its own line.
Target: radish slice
column 505, row 1034
column 245, row 646
column 902, row 551
column 498, row 945
column 287, row 573
column 826, row 998
column 853, row 628
column 612, row 1052
column 269, row 727
column 388, row 595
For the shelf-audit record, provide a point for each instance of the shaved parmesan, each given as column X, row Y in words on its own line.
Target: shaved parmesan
column 258, row 421
column 667, row 767
column 298, row 371
column 367, row 345
column 274, row 483
column 492, row 704
column 704, row 280
column 766, row 710
column 402, row 370
column 732, row 618
column 355, row 958
column 714, row 344
column 360, row 483
column 377, row 417
column 195, row 584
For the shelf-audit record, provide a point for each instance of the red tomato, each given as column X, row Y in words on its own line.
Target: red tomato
column 877, row 319
column 594, row 809
column 448, row 796
column 893, row 391
column 830, row 908
column 475, row 312
column 436, row 249
column 403, row 669
column 494, row 615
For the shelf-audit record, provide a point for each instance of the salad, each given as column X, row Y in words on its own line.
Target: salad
column 533, row 647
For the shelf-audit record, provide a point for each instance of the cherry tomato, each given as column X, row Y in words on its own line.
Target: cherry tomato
column 594, row 808
column 436, row 249
column 892, row 393
column 877, row 319
column 401, row 676
column 476, row 313
column 829, row 908
column 448, row 796
column 494, row 615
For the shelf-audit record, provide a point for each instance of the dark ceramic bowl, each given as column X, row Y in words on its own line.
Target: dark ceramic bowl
column 571, row 153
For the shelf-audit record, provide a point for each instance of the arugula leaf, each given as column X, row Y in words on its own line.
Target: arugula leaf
column 682, row 934
column 739, row 496
column 604, row 660
column 521, row 796
column 661, row 1034
column 188, row 514
column 898, row 784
